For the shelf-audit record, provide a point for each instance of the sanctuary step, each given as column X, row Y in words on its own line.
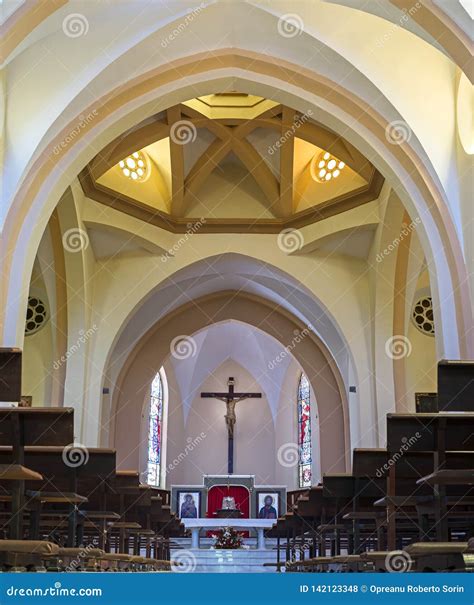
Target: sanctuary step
column 211, row 560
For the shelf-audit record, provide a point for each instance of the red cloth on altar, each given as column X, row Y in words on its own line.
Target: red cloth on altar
column 240, row 494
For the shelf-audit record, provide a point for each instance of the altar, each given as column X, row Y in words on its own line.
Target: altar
column 210, row 500
column 259, row 525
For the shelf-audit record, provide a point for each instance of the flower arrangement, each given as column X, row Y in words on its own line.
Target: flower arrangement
column 228, row 538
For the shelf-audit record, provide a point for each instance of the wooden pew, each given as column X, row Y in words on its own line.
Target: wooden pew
column 149, row 507
column 21, row 427
column 435, row 434
column 59, row 491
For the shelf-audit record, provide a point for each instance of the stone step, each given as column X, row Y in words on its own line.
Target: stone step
column 211, row 560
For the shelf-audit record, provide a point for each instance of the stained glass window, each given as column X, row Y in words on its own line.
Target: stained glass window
column 304, row 432
column 155, row 431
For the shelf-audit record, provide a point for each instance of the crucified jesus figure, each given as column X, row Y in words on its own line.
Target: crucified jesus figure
column 231, row 398
column 230, row 417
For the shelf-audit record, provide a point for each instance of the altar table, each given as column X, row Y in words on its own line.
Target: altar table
column 195, row 525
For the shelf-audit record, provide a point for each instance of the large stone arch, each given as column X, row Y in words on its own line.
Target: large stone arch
column 310, row 352
column 406, row 166
column 211, row 275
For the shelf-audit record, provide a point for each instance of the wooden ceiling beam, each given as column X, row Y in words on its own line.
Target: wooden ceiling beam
column 327, row 140
column 201, row 170
column 231, row 136
column 257, row 167
column 287, row 149
column 177, row 166
column 302, row 183
column 201, row 121
column 228, row 139
column 123, row 146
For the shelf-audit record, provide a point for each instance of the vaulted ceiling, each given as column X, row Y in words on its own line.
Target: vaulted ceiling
column 231, row 162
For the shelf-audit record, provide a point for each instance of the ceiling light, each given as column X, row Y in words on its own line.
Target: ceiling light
column 325, row 167
column 135, row 166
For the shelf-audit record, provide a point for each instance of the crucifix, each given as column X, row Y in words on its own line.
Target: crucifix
column 231, row 399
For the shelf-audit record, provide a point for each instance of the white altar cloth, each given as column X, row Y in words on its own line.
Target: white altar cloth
column 195, row 525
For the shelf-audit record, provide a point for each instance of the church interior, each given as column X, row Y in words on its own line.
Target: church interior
column 237, row 281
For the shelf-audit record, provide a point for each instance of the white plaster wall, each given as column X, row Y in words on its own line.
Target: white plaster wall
column 105, row 293
column 254, row 439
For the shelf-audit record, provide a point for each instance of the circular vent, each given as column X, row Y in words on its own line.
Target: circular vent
column 36, row 315
column 423, row 315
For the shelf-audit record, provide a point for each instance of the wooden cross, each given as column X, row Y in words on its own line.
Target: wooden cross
column 231, row 398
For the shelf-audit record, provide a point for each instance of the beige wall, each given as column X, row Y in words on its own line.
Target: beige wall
column 254, row 439
column 133, row 384
column 197, row 445
column 355, row 295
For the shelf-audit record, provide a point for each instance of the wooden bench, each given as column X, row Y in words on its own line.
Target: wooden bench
column 439, row 436
column 21, row 427
column 25, row 555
